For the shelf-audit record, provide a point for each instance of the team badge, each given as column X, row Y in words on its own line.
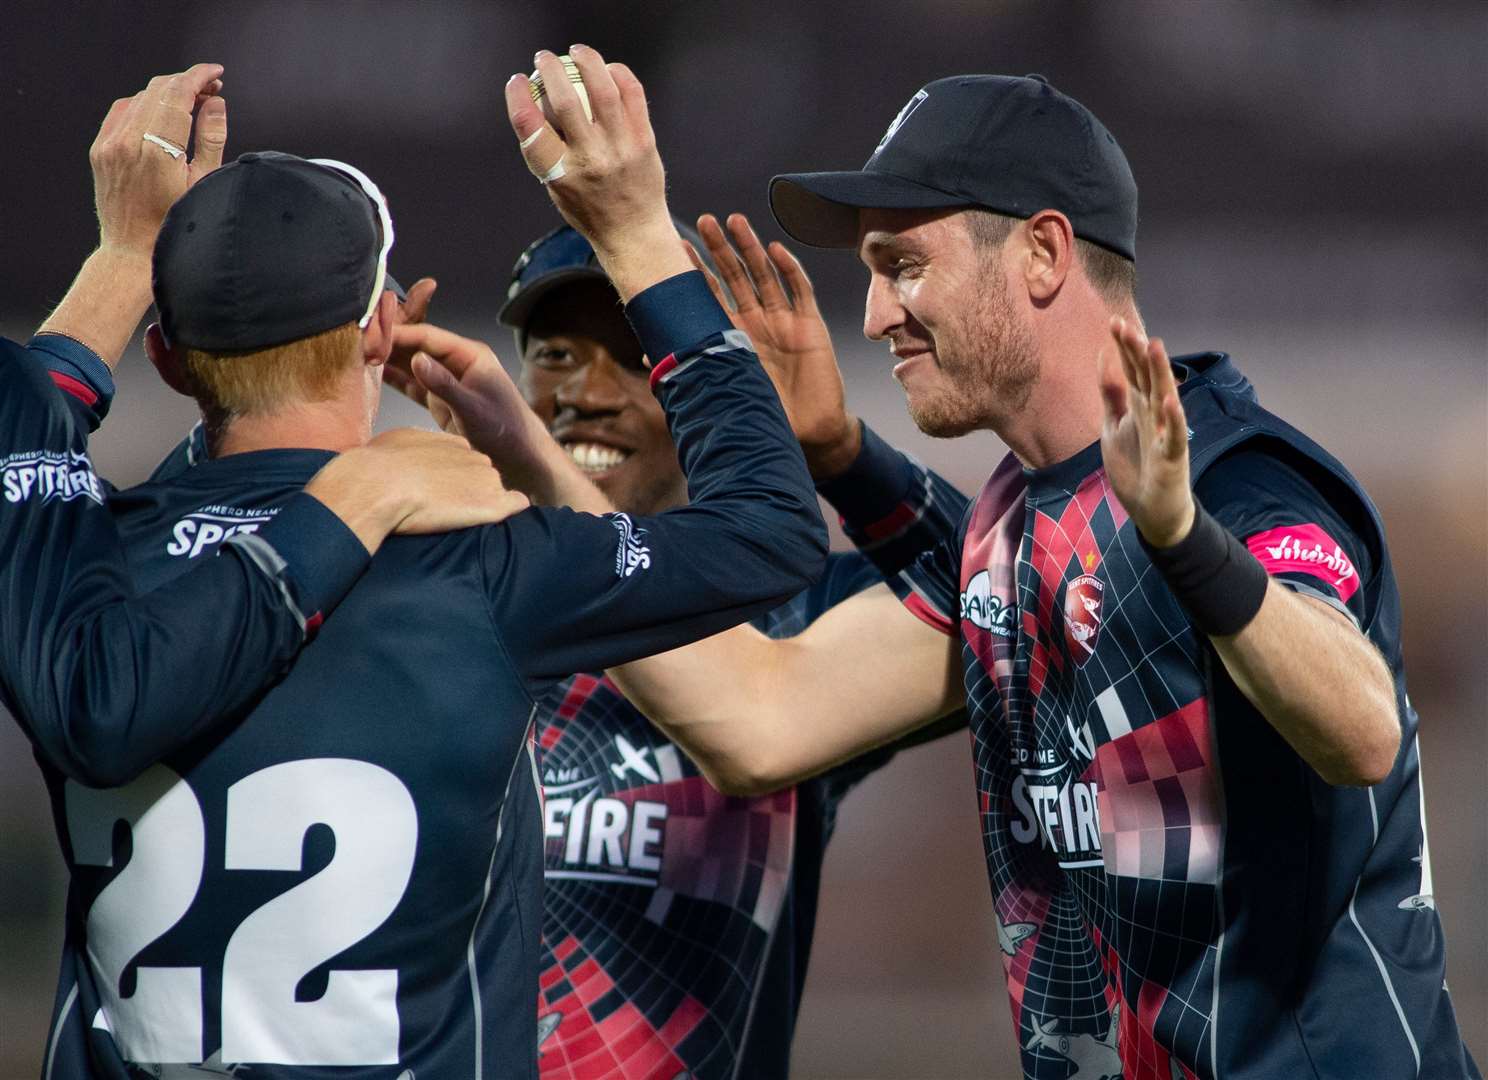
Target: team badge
column 1082, row 613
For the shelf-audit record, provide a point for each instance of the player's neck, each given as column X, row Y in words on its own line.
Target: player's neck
column 1064, row 412
column 329, row 425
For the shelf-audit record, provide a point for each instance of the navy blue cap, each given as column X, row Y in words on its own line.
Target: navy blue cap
column 1012, row 145
column 558, row 258
column 269, row 249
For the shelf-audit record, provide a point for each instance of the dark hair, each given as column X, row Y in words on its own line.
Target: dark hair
column 1114, row 276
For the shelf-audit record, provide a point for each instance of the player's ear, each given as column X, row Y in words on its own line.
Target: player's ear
column 377, row 336
column 169, row 360
column 1049, row 240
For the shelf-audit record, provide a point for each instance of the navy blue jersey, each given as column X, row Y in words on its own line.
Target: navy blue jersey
column 1177, row 892
column 349, row 878
column 101, row 677
column 678, row 921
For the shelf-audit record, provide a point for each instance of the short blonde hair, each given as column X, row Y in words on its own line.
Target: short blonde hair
column 229, row 384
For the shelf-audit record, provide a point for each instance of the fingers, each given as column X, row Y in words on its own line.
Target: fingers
column 436, row 378
column 170, row 98
column 415, row 307
column 403, row 382
column 633, row 97
column 210, row 141
column 714, row 285
column 802, row 292
column 451, row 351
column 563, row 98
column 761, row 269
column 542, row 148
column 599, row 86
column 730, row 267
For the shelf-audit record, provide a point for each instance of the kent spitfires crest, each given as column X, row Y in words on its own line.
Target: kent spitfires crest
column 1082, row 612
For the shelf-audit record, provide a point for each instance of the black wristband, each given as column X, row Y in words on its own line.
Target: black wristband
column 1213, row 575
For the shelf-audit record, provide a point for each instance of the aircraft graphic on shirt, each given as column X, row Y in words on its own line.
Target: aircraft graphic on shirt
column 1423, row 899
column 1094, row 1059
column 546, row 1025
column 633, row 761
column 1013, row 935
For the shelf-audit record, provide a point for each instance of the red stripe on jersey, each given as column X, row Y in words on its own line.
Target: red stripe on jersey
column 892, row 524
column 661, row 368
column 78, row 389
column 928, row 615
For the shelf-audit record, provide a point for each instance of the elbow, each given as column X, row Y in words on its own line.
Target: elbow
column 96, row 757
column 745, row 774
column 744, row 781
column 1369, row 758
column 807, row 550
column 99, row 770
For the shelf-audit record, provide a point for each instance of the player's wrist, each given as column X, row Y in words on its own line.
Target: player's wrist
column 640, row 255
column 1212, row 574
column 829, row 458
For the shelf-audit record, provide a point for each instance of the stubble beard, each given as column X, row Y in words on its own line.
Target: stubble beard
column 986, row 357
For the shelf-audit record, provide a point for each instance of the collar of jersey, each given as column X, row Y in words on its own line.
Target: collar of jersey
column 257, row 465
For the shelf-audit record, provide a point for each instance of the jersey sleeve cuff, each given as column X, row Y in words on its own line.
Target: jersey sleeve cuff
column 77, row 370
column 921, row 606
column 321, row 556
column 880, row 494
column 674, row 316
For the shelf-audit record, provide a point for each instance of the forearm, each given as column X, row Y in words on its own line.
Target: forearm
column 1320, row 683
column 540, row 469
column 758, row 714
column 106, row 302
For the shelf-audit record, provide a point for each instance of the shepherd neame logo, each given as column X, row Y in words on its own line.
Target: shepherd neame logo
column 980, row 608
column 46, row 475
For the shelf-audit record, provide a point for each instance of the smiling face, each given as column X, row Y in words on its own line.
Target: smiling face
column 942, row 300
column 582, row 374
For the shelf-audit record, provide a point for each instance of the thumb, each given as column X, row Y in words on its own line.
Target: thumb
column 211, row 137
column 435, row 377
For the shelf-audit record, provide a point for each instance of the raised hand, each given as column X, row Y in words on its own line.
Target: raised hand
column 398, row 373
column 774, row 303
column 144, row 156
column 471, row 395
column 605, row 176
column 1144, row 440
column 143, row 161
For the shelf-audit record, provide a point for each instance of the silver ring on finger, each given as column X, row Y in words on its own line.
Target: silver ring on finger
column 165, row 144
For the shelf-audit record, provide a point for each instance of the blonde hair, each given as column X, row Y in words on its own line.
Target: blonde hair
column 229, row 384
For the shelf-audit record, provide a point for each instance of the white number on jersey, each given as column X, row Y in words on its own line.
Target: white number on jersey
column 268, row 812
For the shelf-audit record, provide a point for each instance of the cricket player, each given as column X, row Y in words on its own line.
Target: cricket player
column 348, row 880
column 678, row 918
column 103, row 678
column 1171, row 615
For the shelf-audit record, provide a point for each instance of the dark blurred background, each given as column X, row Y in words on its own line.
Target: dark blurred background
column 1314, row 183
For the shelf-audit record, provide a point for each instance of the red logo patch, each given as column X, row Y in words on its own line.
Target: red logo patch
column 1082, row 616
column 1305, row 549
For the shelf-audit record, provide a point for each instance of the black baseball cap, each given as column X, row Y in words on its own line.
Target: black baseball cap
column 1012, row 145
column 559, row 258
column 271, row 249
